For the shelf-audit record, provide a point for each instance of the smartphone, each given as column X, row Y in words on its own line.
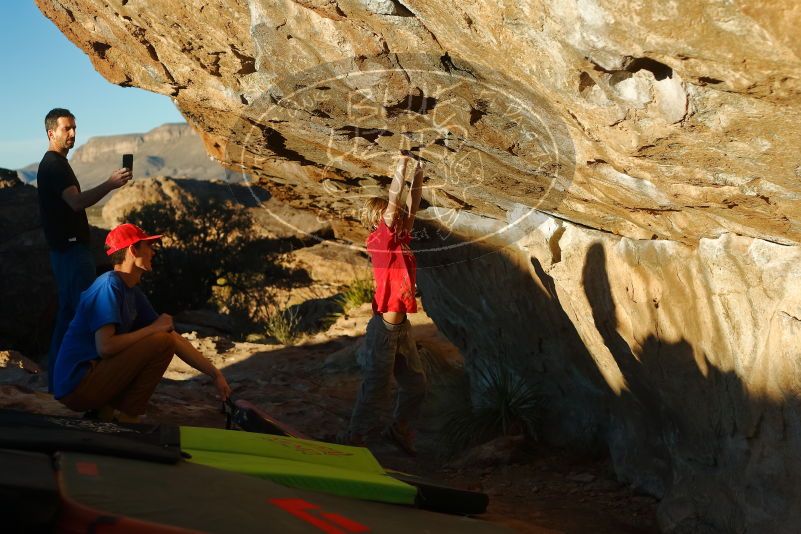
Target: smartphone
column 127, row 161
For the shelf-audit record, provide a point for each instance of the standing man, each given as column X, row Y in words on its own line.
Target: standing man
column 62, row 206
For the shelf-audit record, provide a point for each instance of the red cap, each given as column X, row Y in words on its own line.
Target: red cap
column 124, row 236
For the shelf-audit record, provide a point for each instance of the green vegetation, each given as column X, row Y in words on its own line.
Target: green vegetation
column 209, row 258
column 504, row 404
column 284, row 325
column 358, row 292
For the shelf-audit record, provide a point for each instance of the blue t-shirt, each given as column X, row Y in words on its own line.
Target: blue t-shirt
column 107, row 301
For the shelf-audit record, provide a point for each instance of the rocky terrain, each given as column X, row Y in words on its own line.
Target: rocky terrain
column 312, row 386
column 26, row 282
column 611, row 202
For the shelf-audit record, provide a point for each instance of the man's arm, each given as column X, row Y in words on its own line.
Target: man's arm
column 395, row 190
column 78, row 200
column 109, row 343
column 413, row 200
column 193, row 357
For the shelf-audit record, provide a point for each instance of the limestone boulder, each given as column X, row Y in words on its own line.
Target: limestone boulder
column 138, row 193
column 637, row 118
column 612, row 197
column 681, row 361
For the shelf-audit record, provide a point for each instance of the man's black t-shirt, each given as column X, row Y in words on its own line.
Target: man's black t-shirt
column 62, row 226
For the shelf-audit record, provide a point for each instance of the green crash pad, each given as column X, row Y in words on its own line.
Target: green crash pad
column 108, row 494
column 299, row 463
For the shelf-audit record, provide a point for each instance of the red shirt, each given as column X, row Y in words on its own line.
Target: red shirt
column 394, row 270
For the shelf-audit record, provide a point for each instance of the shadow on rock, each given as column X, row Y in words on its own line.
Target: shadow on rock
column 689, row 432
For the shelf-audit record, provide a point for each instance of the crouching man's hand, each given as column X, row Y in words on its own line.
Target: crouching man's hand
column 190, row 355
column 223, row 389
column 163, row 323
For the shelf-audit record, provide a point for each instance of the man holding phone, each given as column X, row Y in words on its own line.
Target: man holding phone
column 62, row 206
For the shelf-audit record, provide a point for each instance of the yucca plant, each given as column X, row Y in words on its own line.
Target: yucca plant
column 503, row 403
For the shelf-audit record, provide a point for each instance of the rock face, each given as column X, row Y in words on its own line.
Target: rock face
column 676, row 132
column 613, row 197
column 681, row 360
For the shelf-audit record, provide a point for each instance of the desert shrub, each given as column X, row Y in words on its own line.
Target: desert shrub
column 284, row 325
column 203, row 242
column 358, row 292
column 504, row 404
column 244, row 296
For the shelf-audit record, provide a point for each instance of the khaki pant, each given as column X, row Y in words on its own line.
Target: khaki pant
column 390, row 350
column 126, row 380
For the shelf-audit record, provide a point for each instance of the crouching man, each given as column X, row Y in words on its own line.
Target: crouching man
column 117, row 347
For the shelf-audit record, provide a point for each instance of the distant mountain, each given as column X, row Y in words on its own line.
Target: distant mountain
column 168, row 150
column 28, row 174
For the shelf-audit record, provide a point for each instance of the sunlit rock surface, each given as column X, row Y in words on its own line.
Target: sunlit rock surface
column 622, row 178
column 682, row 360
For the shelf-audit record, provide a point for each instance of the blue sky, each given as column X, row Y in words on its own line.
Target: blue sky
column 42, row 69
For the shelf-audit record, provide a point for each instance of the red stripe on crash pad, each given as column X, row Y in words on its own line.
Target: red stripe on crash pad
column 344, row 522
column 87, row 468
column 301, row 509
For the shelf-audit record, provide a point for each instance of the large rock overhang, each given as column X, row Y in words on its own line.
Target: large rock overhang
column 612, row 201
column 670, row 122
